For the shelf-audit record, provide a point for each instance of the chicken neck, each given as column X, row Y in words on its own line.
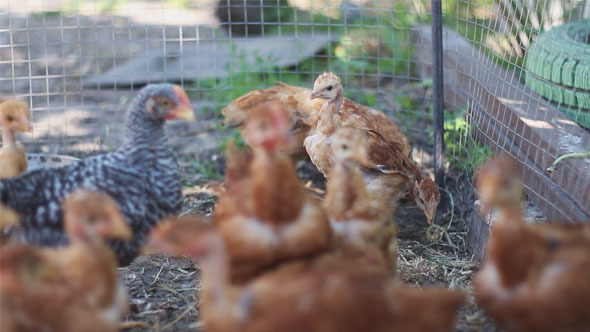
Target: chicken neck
column 276, row 190
column 8, row 137
column 343, row 190
column 511, row 213
column 329, row 118
column 514, row 247
column 143, row 132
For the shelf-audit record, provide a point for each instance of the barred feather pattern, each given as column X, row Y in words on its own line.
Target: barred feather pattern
column 142, row 177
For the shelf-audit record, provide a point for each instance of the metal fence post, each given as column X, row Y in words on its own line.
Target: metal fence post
column 437, row 81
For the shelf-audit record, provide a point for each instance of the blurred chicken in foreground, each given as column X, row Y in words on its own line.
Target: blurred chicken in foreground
column 14, row 117
column 535, row 276
column 74, row 288
column 265, row 215
column 388, row 169
column 355, row 215
column 326, row 292
column 7, row 217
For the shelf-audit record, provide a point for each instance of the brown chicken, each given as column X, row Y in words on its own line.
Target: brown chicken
column 14, row 117
column 301, row 111
column 357, row 216
column 265, row 214
column 8, row 217
column 388, row 170
column 74, row 288
column 535, row 277
column 326, row 292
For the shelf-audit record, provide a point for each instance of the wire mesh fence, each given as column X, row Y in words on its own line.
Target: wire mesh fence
column 519, row 87
column 79, row 62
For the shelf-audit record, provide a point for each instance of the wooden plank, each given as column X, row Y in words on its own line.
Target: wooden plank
column 541, row 189
column 212, row 58
column 532, row 125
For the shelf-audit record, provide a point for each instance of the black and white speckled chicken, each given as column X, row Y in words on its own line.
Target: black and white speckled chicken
column 142, row 176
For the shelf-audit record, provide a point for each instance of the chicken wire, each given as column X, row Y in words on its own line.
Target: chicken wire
column 501, row 34
column 53, row 51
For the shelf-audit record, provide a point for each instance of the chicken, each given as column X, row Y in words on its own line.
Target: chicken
column 535, row 277
column 356, row 215
column 326, row 292
column 294, row 100
column 265, row 215
column 302, row 111
column 14, row 117
column 74, row 288
column 7, row 217
column 142, row 176
column 388, row 170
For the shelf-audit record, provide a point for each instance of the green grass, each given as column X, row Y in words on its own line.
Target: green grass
column 206, row 168
column 236, row 138
column 372, row 45
column 462, row 149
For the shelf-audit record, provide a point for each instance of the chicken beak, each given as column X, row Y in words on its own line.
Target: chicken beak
column 25, row 124
column 484, row 208
column 122, row 231
column 314, row 95
column 356, row 159
column 184, row 113
column 361, row 156
column 184, row 110
column 153, row 246
column 7, row 217
column 430, row 214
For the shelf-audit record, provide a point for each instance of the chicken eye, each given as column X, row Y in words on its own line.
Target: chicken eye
column 165, row 103
column 344, row 147
column 9, row 118
column 91, row 220
column 329, row 88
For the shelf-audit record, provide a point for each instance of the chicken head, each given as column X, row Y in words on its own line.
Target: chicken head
column 167, row 102
column 267, row 126
column 327, row 86
column 15, row 116
column 499, row 184
column 427, row 197
column 192, row 236
column 8, row 217
column 348, row 146
column 91, row 215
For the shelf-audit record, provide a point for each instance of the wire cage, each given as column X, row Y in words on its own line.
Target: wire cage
column 508, row 91
column 78, row 63
column 516, row 81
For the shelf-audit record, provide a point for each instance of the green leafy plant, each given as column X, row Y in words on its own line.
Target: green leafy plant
column 206, row 168
column 236, row 138
column 464, row 151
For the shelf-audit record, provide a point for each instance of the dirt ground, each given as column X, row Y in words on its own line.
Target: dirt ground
column 163, row 291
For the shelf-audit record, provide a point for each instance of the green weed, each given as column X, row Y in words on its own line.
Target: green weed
column 462, row 149
column 206, row 168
